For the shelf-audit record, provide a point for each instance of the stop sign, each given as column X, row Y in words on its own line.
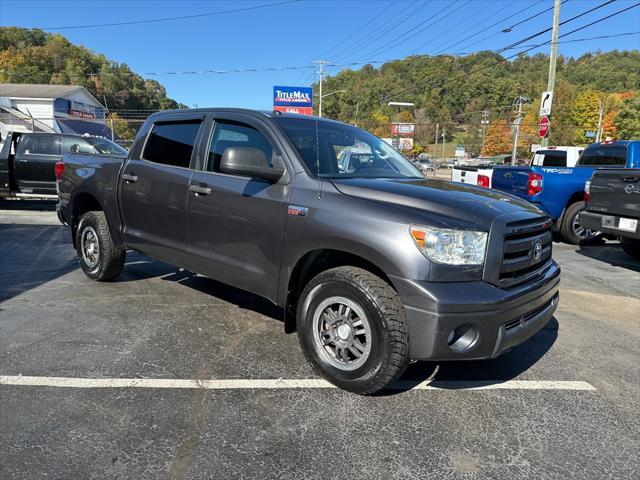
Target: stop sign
column 543, row 126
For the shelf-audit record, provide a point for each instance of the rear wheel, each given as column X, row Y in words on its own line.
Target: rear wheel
column 631, row 246
column 352, row 330
column 571, row 230
column 98, row 255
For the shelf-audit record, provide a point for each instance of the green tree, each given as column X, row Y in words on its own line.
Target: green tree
column 628, row 120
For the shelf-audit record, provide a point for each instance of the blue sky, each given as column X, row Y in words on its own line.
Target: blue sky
column 297, row 33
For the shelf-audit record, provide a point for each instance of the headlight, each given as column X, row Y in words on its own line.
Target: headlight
column 453, row 247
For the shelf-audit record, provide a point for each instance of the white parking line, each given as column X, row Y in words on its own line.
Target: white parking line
column 274, row 384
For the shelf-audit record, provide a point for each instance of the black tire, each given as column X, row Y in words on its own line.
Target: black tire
column 631, row 247
column 388, row 353
column 109, row 259
column 567, row 230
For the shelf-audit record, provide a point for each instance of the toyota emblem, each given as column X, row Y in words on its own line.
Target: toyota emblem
column 537, row 251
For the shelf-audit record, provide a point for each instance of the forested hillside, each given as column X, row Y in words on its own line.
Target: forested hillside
column 454, row 91
column 33, row 56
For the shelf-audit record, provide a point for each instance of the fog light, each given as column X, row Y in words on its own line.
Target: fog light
column 463, row 338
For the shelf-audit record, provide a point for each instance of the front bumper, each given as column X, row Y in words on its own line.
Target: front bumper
column 500, row 319
column 606, row 224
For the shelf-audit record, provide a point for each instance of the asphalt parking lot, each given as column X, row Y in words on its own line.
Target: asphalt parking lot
column 227, row 394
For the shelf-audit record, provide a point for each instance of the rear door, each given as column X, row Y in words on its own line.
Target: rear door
column 34, row 163
column 236, row 223
column 153, row 190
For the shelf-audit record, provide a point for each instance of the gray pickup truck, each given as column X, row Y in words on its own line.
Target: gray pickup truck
column 374, row 266
column 612, row 198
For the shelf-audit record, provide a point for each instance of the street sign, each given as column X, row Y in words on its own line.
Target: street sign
column 293, row 99
column 543, row 127
column 545, row 103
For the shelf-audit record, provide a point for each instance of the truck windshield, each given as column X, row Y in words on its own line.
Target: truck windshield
column 334, row 150
column 107, row 147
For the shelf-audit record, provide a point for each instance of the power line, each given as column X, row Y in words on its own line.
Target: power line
column 528, row 49
column 375, row 36
column 485, row 28
column 293, row 68
column 170, row 19
column 399, row 39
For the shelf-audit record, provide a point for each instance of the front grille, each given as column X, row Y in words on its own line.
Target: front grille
column 526, row 251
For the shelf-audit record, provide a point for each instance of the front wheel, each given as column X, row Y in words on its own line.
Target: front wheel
column 352, row 330
column 631, row 246
column 100, row 258
column 571, row 230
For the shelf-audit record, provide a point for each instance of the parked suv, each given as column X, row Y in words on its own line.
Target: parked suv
column 374, row 265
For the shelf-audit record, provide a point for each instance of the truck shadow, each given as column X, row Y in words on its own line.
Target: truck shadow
column 28, row 205
column 32, row 255
column 469, row 374
column 610, row 253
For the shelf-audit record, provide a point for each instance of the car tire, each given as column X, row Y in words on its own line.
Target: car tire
column 100, row 258
column 631, row 247
column 571, row 231
column 352, row 330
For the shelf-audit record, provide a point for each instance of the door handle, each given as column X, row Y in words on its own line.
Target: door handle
column 129, row 178
column 200, row 189
column 23, row 160
column 631, row 179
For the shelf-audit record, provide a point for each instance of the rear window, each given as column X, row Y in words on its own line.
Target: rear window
column 39, row 145
column 171, row 143
column 550, row 158
column 604, row 155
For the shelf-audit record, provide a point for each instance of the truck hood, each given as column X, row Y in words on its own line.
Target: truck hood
column 466, row 204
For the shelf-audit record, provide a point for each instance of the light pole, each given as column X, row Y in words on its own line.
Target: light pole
column 320, row 97
column 399, row 105
column 321, row 63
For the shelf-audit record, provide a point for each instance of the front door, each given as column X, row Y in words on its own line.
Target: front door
column 34, row 163
column 153, row 191
column 236, row 223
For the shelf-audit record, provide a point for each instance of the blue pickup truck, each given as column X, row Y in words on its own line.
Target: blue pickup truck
column 559, row 191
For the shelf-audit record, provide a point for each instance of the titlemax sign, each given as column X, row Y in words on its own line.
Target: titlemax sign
column 292, row 96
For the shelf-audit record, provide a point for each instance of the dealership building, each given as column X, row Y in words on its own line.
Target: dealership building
column 51, row 108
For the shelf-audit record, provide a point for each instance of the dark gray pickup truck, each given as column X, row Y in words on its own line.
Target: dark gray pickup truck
column 27, row 160
column 374, row 266
column 612, row 199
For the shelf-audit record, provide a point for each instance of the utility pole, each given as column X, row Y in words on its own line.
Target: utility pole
column 516, row 132
column 553, row 57
column 443, row 139
column 599, row 132
column 484, row 122
column 321, row 63
column 435, row 147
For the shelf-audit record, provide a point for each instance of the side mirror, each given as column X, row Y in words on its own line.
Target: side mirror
column 250, row 162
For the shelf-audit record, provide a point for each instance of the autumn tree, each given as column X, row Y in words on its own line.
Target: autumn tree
column 628, row 120
column 497, row 139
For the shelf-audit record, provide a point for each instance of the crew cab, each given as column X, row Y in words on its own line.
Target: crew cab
column 374, row 265
column 27, row 160
column 612, row 198
column 559, row 190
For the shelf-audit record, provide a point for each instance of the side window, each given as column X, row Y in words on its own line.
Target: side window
column 604, row 155
column 39, row 145
column 84, row 147
column 171, row 143
column 227, row 134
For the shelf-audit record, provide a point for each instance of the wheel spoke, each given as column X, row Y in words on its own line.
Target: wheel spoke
column 356, row 353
